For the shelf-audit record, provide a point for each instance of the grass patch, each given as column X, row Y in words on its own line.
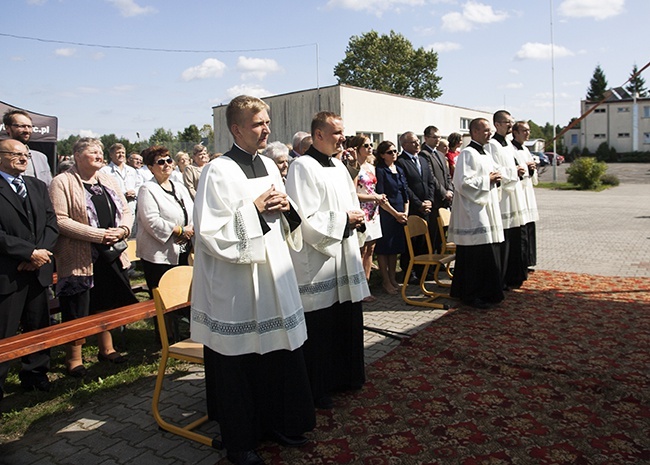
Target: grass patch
column 20, row 410
column 567, row 186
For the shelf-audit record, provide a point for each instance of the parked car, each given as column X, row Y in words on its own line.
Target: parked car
column 541, row 156
column 551, row 156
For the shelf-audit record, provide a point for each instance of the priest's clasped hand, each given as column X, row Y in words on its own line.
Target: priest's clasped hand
column 272, row 201
column 356, row 218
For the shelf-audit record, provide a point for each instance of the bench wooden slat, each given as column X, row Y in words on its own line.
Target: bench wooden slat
column 55, row 335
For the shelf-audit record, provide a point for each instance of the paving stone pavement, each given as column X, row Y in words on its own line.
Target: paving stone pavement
column 602, row 233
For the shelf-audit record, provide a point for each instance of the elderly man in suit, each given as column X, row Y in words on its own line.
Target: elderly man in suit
column 28, row 232
column 444, row 190
column 421, row 186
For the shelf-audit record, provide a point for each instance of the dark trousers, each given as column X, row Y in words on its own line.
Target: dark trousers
column 26, row 308
column 251, row 395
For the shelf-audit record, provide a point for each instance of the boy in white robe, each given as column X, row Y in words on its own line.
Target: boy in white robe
column 246, row 309
column 521, row 133
column 475, row 224
column 511, row 202
column 330, row 273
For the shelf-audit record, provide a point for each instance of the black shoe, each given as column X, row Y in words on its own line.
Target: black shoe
column 113, row 357
column 78, row 372
column 246, row 457
column 414, row 280
column 325, row 403
column 37, row 383
column 288, row 441
column 479, row 303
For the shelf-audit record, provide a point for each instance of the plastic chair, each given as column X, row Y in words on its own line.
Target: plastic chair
column 173, row 293
column 415, row 227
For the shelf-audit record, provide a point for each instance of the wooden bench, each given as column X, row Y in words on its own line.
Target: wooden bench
column 34, row 341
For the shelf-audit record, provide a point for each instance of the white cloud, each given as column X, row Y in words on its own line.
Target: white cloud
column 443, row 47
column 537, row 51
column 36, row 2
column 65, row 52
column 245, row 89
column 98, row 56
column 257, row 68
column 473, row 14
column 88, row 90
column 129, row 8
column 17, row 58
column 597, row 9
column 123, row 88
column 88, row 133
column 377, row 7
column 513, row 71
column 512, row 85
column 210, row 68
column 572, row 83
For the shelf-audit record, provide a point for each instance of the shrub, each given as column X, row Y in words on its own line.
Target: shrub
column 610, row 180
column 585, row 152
column 586, row 172
column 606, row 153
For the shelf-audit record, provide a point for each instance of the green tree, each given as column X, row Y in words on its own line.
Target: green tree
column 597, row 85
column 637, row 84
column 162, row 136
column 110, row 139
column 207, row 136
column 389, row 63
column 64, row 146
column 190, row 134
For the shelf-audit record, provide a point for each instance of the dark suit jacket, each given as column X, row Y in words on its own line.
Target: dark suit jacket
column 440, row 175
column 17, row 241
column 420, row 187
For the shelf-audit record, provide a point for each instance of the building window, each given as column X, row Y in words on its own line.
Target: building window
column 599, row 110
column 646, row 111
column 375, row 137
column 600, row 136
column 623, row 109
column 623, row 134
column 646, row 137
column 574, row 139
column 464, row 123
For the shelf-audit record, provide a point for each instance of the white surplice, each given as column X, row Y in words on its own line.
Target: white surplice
column 244, row 292
column 531, row 215
column 511, row 202
column 329, row 267
column 475, row 213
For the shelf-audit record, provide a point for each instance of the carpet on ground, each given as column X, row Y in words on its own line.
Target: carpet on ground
column 559, row 373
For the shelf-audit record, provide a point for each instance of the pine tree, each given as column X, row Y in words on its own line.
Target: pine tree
column 636, row 84
column 597, row 86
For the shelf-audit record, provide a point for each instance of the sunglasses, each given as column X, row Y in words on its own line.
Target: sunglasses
column 367, row 145
column 390, row 152
column 162, row 161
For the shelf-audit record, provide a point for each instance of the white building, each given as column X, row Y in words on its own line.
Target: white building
column 380, row 115
column 621, row 121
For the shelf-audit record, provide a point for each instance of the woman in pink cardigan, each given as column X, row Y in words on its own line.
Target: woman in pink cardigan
column 92, row 214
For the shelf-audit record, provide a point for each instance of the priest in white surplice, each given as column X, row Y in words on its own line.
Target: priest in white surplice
column 246, row 308
column 330, row 273
column 475, row 225
column 512, row 201
column 521, row 133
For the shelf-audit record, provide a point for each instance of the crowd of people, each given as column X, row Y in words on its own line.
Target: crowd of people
column 283, row 239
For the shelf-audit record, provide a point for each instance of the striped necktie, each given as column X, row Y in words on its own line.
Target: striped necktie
column 20, row 187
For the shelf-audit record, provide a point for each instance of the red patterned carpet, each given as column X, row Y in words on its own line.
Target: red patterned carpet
column 559, row 373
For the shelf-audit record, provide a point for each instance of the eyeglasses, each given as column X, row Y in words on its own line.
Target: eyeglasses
column 367, row 145
column 162, row 161
column 390, row 152
column 17, row 154
column 23, row 126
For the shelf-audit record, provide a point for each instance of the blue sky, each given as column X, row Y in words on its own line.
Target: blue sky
column 493, row 54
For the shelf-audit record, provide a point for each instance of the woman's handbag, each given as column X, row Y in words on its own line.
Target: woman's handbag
column 110, row 253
